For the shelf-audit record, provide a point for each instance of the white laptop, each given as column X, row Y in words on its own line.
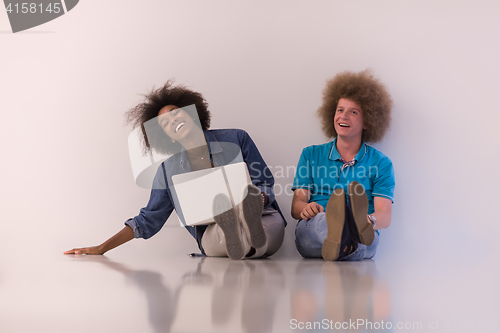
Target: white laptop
column 196, row 190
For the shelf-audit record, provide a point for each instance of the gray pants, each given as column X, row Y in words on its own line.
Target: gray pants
column 214, row 242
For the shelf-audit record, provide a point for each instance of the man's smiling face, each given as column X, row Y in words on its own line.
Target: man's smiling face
column 348, row 120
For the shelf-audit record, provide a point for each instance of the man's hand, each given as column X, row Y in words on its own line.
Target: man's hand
column 311, row 210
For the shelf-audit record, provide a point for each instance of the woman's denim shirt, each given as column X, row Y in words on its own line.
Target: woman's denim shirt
column 226, row 146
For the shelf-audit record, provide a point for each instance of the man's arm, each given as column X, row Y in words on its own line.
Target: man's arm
column 383, row 211
column 302, row 208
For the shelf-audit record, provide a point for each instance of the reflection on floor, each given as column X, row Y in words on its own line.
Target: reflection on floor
column 337, row 293
column 98, row 294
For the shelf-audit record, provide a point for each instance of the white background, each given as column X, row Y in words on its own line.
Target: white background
column 65, row 175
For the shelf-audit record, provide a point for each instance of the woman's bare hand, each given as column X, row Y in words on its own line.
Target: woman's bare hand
column 86, row 250
column 311, row 210
column 121, row 237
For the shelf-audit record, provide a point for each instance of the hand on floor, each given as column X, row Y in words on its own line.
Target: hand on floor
column 85, row 250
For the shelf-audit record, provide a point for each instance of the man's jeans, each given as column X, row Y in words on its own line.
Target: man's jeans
column 310, row 235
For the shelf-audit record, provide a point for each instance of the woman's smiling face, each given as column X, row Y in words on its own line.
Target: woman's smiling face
column 175, row 122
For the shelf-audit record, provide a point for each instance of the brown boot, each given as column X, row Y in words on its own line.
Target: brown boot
column 335, row 216
column 359, row 207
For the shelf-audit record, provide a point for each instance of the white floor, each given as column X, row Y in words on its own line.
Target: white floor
column 162, row 292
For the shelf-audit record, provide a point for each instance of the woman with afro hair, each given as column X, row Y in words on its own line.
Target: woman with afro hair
column 344, row 189
column 176, row 121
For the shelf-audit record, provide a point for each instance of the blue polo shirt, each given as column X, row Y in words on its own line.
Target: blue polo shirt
column 320, row 171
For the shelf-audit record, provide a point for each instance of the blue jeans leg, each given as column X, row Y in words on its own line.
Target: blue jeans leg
column 363, row 251
column 310, row 235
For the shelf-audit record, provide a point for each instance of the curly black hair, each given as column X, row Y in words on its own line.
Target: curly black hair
column 368, row 92
column 153, row 102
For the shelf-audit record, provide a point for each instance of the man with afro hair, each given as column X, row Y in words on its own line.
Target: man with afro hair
column 344, row 189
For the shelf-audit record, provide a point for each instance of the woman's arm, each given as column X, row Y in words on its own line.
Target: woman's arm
column 259, row 171
column 383, row 212
column 120, row 238
column 302, row 208
column 149, row 221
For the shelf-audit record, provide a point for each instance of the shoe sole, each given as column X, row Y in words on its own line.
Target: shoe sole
column 335, row 217
column 252, row 213
column 359, row 206
column 225, row 217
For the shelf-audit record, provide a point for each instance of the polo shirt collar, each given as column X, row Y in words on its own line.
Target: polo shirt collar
column 334, row 154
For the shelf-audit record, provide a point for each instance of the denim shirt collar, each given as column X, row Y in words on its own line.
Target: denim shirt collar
column 214, row 147
column 334, row 154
